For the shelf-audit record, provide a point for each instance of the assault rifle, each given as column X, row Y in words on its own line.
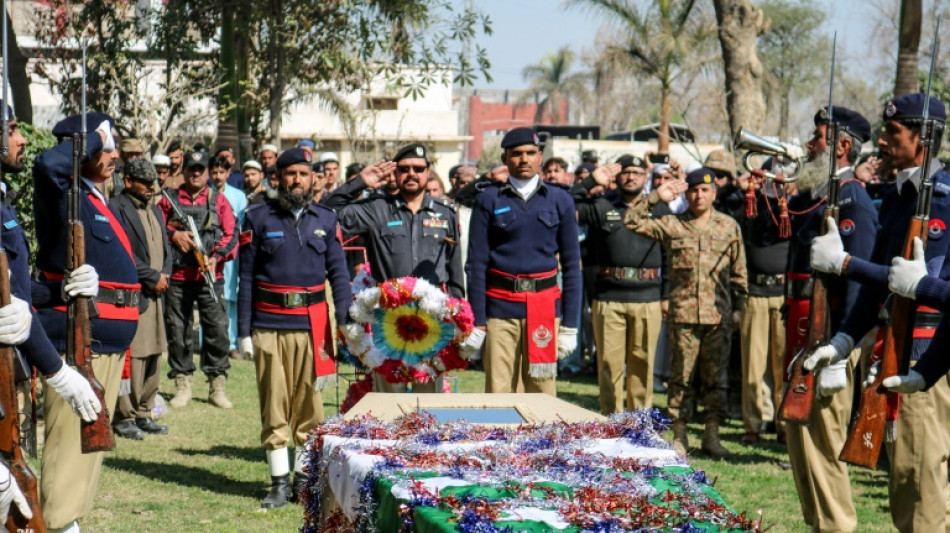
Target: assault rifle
column 95, row 436
column 863, row 445
column 796, row 405
column 9, row 427
column 201, row 256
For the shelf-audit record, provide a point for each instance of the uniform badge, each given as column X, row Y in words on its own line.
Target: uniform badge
column 502, row 210
column 542, row 337
column 823, row 113
column 10, row 224
column 420, row 151
column 846, row 227
column 890, row 110
column 319, row 233
column 102, row 218
column 935, row 229
column 245, row 237
column 274, row 235
column 613, row 215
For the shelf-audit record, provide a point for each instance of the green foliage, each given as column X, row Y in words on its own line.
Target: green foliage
column 552, row 78
column 38, row 140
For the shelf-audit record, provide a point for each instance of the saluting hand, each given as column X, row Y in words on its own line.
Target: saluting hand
column 374, row 176
column 606, row 174
column 670, row 190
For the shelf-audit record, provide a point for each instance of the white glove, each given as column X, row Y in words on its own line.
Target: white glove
column 82, row 281
column 11, row 494
column 827, row 251
column 77, row 392
column 832, row 379
column 109, row 142
column 904, row 275
column 246, row 347
column 911, row 383
column 15, row 320
column 473, row 343
column 566, row 341
column 837, row 349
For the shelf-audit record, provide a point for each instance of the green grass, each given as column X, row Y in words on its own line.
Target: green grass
column 209, row 474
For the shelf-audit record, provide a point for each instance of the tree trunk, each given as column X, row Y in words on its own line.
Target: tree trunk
column 783, row 113
column 227, row 95
column 906, row 82
column 19, row 81
column 663, row 136
column 740, row 23
column 279, row 70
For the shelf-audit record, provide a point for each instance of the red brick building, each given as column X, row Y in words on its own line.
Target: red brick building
column 493, row 113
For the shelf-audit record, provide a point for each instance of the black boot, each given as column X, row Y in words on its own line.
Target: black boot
column 128, row 430
column 300, row 482
column 279, row 492
column 149, row 426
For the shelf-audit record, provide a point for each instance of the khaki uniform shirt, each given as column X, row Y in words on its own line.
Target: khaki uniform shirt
column 707, row 262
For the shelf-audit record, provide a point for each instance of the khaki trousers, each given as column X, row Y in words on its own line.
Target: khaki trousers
column 626, row 334
column 144, row 383
column 69, row 478
column 917, row 486
column 824, row 489
column 762, row 338
column 290, row 405
column 381, row 385
column 506, row 358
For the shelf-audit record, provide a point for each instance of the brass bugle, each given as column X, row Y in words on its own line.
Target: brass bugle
column 755, row 145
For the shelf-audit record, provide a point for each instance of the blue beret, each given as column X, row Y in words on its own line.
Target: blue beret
column 701, row 176
column 412, row 151
column 631, row 161
column 910, row 107
column 519, row 136
column 848, row 120
column 292, row 157
column 584, row 166
column 306, row 142
column 73, row 124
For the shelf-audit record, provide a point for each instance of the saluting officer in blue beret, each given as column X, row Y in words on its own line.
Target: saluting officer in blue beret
column 522, row 232
column 290, row 249
column 918, row 456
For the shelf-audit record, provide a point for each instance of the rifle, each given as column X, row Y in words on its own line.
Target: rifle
column 9, row 428
column 863, row 445
column 796, row 405
column 200, row 255
column 95, row 436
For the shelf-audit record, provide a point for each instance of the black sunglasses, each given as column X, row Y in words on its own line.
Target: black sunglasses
column 419, row 169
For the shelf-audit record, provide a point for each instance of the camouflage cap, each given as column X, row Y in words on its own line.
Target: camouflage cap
column 721, row 161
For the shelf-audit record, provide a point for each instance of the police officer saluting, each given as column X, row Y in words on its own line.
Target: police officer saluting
column 518, row 231
column 408, row 234
column 292, row 249
column 628, row 288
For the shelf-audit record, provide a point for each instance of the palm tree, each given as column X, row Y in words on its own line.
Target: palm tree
column 551, row 77
column 905, row 82
column 662, row 39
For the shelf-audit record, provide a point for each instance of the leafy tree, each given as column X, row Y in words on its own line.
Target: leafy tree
column 552, row 78
column 37, row 141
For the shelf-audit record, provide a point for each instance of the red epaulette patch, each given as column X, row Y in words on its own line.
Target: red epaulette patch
column 244, row 238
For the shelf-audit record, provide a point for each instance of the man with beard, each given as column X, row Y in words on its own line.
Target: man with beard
column 69, row 477
column 215, row 221
column 708, row 291
column 268, row 155
column 628, row 287
column 917, row 486
column 176, row 157
column 521, row 229
column 408, row 233
column 821, row 479
column 291, row 251
column 144, row 225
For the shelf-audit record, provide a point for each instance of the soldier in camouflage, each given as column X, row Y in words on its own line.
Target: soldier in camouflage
column 707, row 293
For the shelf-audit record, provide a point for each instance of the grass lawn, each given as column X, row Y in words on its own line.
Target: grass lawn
column 209, row 474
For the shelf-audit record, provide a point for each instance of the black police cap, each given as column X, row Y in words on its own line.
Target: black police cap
column 319, row 167
column 701, row 176
column 293, row 156
column 519, row 136
column 910, row 108
column 73, row 124
column 851, row 121
column 412, row 151
column 631, row 161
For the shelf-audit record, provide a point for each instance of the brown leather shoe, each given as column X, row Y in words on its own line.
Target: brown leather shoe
column 236, row 355
column 750, row 437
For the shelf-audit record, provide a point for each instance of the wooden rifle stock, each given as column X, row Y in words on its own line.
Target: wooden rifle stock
column 10, row 430
column 863, row 445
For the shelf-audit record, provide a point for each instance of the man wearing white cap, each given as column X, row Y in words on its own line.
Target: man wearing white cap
column 254, row 182
column 269, row 155
column 331, row 169
column 163, row 166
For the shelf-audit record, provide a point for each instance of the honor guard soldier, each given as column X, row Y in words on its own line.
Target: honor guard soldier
column 707, row 293
column 917, row 486
column 145, row 226
column 821, row 479
column 518, row 231
column 69, row 477
column 407, row 234
column 292, row 248
column 631, row 279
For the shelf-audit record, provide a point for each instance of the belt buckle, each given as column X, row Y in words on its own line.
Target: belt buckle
column 119, row 297
column 525, row 285
column 769, row 281
column 293, row 300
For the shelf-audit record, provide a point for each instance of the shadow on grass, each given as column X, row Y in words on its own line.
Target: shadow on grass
column 250, row 454
column 188, row 476
column 584, row 400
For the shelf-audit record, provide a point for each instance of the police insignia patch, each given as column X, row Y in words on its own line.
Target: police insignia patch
column 420, row 151
column 319, row 233
column 935, row 229
column 846, row 227
column 542, row 337
column 890, row 109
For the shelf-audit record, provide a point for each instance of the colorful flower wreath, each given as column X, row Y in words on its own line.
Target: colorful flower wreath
column 406, row 330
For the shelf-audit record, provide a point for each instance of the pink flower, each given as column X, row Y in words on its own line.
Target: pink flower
column 393, row 371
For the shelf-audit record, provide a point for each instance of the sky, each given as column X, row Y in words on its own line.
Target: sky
column 526, row 30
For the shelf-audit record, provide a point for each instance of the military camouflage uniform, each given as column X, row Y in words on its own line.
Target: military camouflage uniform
column 707, row 283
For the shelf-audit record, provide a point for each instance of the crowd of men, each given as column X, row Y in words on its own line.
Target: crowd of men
column 648, row 268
